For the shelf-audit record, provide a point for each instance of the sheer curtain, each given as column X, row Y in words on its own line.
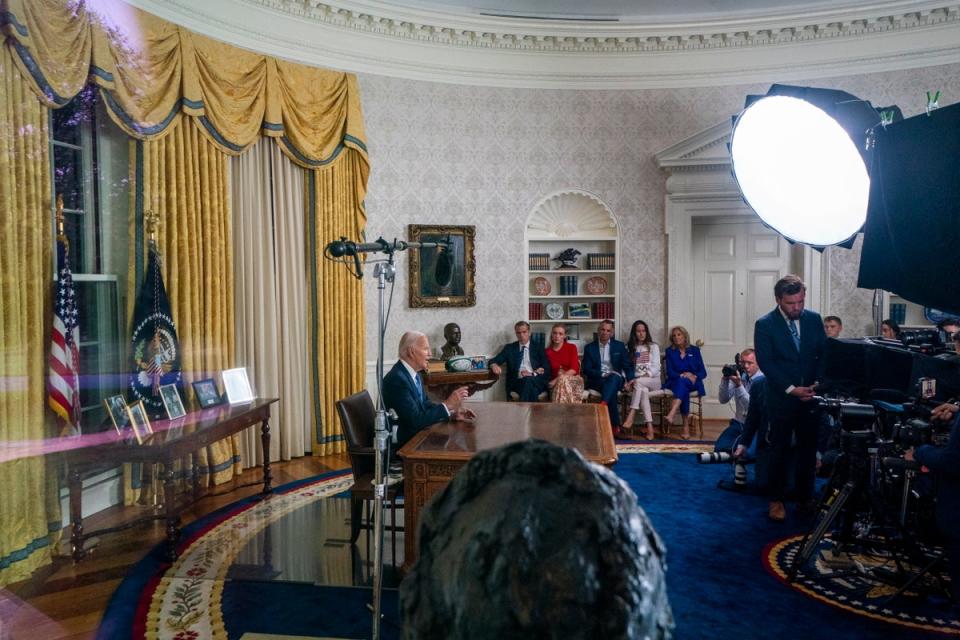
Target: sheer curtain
column 268, row 193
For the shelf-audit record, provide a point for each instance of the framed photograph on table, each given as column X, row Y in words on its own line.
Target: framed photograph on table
column 442, row 276
column 139, row 421
column 117, row 410
column 207, row 393
column 236, row 386
column 172, row 402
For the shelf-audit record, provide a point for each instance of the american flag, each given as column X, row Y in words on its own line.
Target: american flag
column 63, row 386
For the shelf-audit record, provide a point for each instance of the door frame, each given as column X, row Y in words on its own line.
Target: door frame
column 700, row 184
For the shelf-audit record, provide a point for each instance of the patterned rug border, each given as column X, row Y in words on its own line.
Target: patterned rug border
column 771, row 563
column 129, row 608
column 695, row 446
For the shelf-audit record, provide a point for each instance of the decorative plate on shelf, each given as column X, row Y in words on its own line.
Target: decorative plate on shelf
column 541, row 286
column 554, row 310
column 595, row 285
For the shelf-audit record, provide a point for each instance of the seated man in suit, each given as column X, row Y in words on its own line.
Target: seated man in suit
column 607, row 368
column 403, row 391
column 943, row 463
column 528, row 370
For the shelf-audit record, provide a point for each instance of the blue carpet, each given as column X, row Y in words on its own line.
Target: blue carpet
column 716, row 579
column 306, row 610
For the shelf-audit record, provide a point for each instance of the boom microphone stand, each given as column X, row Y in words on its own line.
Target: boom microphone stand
column 385, row 271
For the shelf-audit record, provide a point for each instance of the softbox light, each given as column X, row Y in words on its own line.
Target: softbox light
column 801, row 158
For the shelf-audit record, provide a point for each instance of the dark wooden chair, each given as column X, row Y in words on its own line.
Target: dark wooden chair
column 358, row 421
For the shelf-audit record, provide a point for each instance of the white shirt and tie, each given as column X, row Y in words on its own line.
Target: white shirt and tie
column 794, row 327
column 605, row 368
column 419, row 384
column 524, row 360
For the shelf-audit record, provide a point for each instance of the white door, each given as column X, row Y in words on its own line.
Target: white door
column 736, row 262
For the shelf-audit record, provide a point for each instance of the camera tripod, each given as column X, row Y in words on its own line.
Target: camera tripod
column 859, row 497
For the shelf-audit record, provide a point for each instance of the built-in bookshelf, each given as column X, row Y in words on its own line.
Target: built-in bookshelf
column 583, row 288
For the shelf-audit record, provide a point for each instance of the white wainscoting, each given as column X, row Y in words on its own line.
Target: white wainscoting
column 100, row 491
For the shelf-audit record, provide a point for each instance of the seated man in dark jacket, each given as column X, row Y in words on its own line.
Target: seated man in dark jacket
column 607, row 368
column 944, row 462
column 528, row 370
column 403, row 391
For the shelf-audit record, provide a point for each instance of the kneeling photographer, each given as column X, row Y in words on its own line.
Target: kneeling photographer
column 738, row 379
column 944, row 463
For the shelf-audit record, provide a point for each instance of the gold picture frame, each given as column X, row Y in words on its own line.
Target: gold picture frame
column 424, row 289
column 139, row 421
column 117, row 410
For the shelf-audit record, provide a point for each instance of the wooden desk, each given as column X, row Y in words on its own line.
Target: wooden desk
column 433, row 456
column 442, row 383
column 172, row 440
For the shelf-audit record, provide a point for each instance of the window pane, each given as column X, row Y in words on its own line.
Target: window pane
column 68, row 176
column 68, row 120
column 73, row 229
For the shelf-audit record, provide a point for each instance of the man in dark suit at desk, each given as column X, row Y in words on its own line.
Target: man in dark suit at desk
column 789, row 343
column 528, row 369
column 607, row 368
column 404, row 393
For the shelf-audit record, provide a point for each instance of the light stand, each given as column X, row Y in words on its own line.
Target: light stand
column 385, row 271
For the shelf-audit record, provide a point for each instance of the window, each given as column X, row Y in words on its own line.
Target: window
column 89, row 156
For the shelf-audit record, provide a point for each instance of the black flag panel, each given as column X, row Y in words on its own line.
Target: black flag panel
column 912, row 232
column 155, row 349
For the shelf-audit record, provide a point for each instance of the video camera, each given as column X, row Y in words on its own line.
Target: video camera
column 880, row 398
column 733, row 369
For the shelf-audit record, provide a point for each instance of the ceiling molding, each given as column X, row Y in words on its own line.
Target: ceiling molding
column 375, row 37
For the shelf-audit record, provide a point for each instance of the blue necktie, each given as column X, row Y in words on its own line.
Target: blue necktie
column 416, row 380
column 795, row 334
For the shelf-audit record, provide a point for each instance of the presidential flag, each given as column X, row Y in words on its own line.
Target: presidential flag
column 63, row 385
column 154, row 346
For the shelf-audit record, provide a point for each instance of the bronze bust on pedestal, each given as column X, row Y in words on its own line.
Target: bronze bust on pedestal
column 451, row 331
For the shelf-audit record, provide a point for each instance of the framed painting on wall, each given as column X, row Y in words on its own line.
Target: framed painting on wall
column 442, row 277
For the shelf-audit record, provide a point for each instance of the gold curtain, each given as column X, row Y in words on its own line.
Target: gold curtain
column 151, row 72
column 161, row 81
column 335, row 297
column 185, row 182
column 30, row 523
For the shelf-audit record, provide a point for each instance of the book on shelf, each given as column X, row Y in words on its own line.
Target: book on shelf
column 538, row 261
column 538, row 340
column 568, row 285
column 603, row 310
column 536, row 310
column 601, row 261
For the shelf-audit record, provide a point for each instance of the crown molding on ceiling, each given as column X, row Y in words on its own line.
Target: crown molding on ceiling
column 368, row 36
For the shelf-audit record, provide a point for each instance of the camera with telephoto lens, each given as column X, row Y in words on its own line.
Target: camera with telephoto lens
column 733, row 369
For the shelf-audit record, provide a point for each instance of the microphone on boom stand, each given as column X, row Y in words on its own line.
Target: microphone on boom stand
column 385, row 272
column 443, row 272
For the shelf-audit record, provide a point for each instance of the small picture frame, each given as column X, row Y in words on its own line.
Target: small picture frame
column 578, row 310
column 139, row 421
column 207, row 393
column 172, row 402
column 236, row 386
column 117, row 410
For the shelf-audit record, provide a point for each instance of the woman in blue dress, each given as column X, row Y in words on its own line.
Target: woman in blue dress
column 685, row 374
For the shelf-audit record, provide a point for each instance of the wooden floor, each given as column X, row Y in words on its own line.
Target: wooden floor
column 67, row 600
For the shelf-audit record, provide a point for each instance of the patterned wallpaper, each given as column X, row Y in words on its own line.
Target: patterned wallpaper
column 452, row 154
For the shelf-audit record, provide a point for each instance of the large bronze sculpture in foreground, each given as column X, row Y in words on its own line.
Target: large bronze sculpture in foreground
column 532, row 541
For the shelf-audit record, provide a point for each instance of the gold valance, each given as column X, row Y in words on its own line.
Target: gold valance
column 151, row 73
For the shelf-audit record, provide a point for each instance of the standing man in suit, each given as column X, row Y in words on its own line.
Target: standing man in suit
column 607, row 368
column 789, row 343
column 528, row 370
column 403, row 391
